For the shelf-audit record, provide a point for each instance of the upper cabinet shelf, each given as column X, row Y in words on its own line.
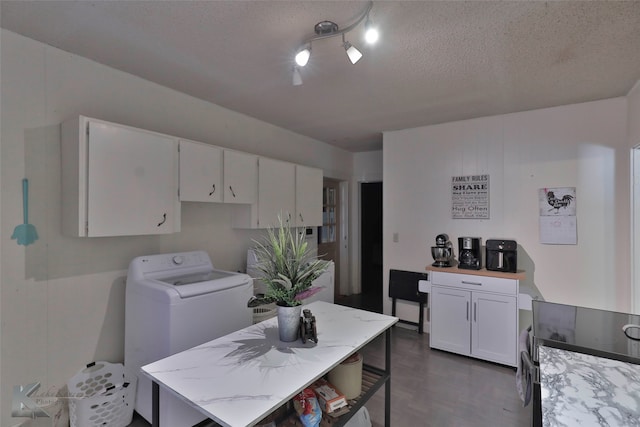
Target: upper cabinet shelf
column 212, row 174
column 292, row 192
column 200, row 172
column 122, row 181
column 118, row 180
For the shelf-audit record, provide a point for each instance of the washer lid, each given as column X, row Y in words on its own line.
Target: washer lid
column 190, row 285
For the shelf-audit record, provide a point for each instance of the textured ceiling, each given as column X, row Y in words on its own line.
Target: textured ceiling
column 435, row 62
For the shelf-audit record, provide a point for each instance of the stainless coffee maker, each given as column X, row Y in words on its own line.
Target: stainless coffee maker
column 442, row 252
column 469, row 253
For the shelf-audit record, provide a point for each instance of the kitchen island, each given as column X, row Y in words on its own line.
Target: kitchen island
column 238, row 379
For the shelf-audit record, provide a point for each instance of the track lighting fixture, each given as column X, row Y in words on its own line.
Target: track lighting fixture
column 326, row 29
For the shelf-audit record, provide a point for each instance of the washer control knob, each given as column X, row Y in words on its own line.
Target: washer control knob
column 178, row 260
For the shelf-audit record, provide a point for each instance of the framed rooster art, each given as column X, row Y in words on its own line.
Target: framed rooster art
column 558, row 220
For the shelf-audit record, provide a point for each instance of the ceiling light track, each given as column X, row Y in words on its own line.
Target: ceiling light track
column 328, row 29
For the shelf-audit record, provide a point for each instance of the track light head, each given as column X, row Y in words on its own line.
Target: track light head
column 353, row 53
column 303, row 55
column 297, row 78
column 371, row 34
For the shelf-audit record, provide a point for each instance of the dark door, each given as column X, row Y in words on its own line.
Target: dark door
column 371, row 245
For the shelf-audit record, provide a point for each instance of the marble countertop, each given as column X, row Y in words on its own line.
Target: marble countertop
column 240, row 378
column 580, row 389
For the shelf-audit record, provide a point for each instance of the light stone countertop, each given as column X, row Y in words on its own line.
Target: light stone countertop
column 240, row 378
column 583, row 390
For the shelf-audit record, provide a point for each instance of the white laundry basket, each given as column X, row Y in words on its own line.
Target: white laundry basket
column 264, row 312
column 101, row 394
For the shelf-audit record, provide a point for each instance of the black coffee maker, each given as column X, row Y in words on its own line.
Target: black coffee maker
column 469, row 253
column 502, row 255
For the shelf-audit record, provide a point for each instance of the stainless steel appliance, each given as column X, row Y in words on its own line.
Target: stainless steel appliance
column 502, row 255
column 469, row 253
column 442, row 252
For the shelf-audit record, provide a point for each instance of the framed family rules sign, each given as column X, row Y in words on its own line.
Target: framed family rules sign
column 470, row 197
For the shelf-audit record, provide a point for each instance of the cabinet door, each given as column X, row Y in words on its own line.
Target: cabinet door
column 240, row 177
column 276, row 192
column 494, row 327
column 200, row 172
column 132, row 181
column 308, row 196
column 450, row 320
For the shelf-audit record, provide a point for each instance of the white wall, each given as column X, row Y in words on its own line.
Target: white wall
column 582, row 146
column 62, row 299
column 367, row 167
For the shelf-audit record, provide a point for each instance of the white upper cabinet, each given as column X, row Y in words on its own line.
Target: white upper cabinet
column 291, row 191
column 118, row 180
column 240, row 177
column 200, row 172
column 276, row 192
column 308, row 196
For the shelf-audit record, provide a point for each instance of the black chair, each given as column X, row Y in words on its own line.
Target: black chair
column 404, row 285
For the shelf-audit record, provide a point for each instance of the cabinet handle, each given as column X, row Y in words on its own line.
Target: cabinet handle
column 464, row 282
column 164, row 219
column 232, row 193
column 475, row 309
column 467, row 310
column 213, row 191
column 301, row 217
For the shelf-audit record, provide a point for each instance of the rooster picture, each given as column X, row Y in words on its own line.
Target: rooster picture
column 556, row 203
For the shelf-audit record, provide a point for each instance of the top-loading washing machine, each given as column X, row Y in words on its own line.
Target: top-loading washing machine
column 175, row 302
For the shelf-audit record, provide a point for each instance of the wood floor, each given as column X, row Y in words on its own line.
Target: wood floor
column 440, row 389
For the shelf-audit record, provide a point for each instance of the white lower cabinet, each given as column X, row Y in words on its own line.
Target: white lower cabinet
column 474, row 322
column 450, row 323
column 494, row 327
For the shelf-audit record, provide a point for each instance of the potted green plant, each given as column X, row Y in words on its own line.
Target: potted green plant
column 288, row 267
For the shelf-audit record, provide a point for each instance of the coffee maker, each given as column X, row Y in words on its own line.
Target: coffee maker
column 502, row 255
column 469, row 253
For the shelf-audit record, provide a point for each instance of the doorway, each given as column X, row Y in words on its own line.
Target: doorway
column 371, row 245
column 329, row 232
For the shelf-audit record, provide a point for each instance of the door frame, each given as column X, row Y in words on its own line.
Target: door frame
column 635, row 229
